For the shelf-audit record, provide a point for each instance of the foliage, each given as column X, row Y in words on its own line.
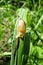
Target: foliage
column 30, row 51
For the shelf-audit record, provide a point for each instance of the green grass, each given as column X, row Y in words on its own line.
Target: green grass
column 30, row 48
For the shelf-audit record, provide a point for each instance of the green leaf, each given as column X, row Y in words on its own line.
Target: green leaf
column 14, row 40
column 1, row 32
column 23, row 50
column 24, row 14
column 20, row 51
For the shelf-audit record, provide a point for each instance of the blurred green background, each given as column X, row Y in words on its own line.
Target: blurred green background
column 9, row 10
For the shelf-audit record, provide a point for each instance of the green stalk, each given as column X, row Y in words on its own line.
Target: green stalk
column 20, row 51
column 12, row 53
column 23, row 50
column 34, row 8
column 39, row 4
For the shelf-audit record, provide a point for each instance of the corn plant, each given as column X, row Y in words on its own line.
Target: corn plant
column 19, row 56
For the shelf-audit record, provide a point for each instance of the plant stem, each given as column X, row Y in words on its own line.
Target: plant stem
column 5, row 54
